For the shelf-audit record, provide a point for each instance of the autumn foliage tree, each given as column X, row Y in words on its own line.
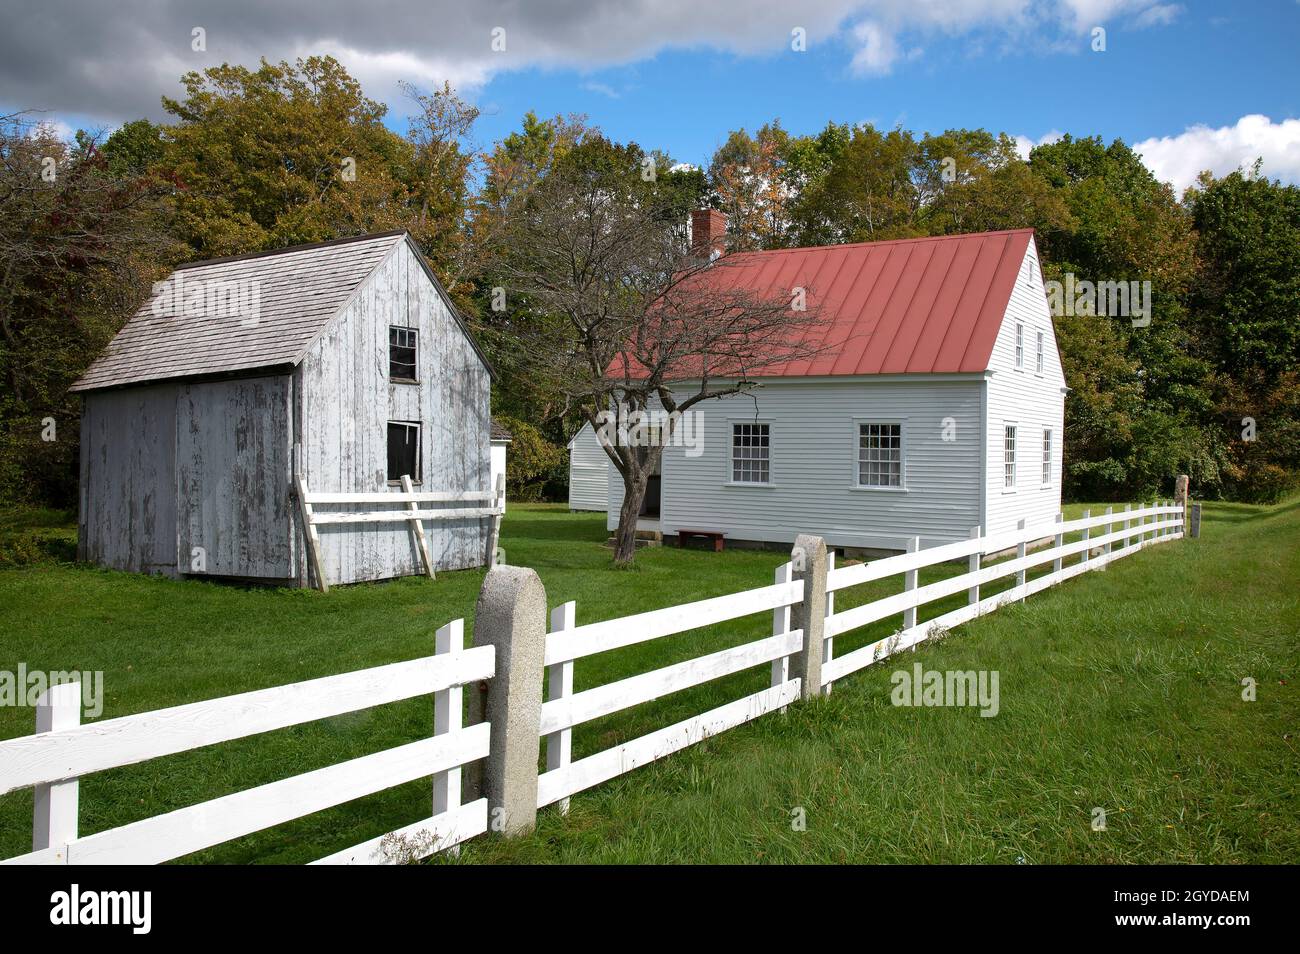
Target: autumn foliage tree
column 616, row 312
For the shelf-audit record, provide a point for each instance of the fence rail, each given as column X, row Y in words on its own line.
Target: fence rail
column 528, row 649
column 412, row 514
column 54, row 760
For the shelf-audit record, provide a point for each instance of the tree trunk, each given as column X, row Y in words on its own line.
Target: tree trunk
column 625, row 536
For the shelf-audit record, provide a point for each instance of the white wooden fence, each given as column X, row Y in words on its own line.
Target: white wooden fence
column 1125, row 533
column 493, row 505
column 62, row 750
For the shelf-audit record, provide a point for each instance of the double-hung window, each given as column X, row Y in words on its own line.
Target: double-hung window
column 751, row 454
column 1009, row 457
column 1038, row 366
column 1047, row 455
column 880, row 455
column 1020, row 345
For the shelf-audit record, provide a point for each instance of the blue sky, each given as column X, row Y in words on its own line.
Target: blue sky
column 1208, row 67
column 1191, row 84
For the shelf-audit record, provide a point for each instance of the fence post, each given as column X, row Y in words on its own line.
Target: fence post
column 1020, row 555
column 973, row 565
column 1058, row 543
column 909, row 583
column 1087, row 534
column 828, row 642
column 1128, row 540
column 780, row 625
column 447, row 715
column 1110, row 526
column 511, row 616
column 1195, row 527
column 559, row 745
column 1182, row 496
column 54, row 821
column 809, row 564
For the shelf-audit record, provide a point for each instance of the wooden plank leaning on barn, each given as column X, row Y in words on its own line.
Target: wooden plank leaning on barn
column 417, row 528
column 312, row 537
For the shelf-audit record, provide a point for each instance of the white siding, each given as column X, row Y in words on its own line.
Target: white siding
column 813, row 464
column 1032, row 401
column 498, row 465
column 588, row 471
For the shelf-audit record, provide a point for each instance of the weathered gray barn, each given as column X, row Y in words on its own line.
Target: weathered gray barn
column 343, row 363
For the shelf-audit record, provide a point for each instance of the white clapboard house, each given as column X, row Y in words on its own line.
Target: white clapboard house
column 258, row 414
column 937, row 405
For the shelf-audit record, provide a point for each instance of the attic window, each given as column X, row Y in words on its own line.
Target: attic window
column 403, row 451
column 401, row 354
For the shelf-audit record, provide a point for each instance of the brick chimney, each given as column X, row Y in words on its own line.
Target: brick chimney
column 708, row 232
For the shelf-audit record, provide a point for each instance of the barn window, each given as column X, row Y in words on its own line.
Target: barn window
column 1009, row 458
column 751, row 447
column 880, row 455
column 401, row 354
column 1047, row 455
column 1020, row 345
column 1039, row 365
column 403, row 450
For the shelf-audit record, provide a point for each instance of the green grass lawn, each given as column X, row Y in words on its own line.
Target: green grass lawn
column 1119, row 690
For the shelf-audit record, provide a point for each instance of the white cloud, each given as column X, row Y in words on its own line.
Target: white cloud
column 1024, row 144
column 877, row 50
column 114, row 63
column 604, row 89
column 1179, row 159
column 1161, row 14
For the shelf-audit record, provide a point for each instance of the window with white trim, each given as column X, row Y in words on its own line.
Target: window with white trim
column 1047, row 455
column 751, row 450
column 880, row 455
column 1020, row 345
column 1039, row 363
column 1009, row 457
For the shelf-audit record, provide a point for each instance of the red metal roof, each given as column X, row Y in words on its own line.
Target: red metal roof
column 926, row 305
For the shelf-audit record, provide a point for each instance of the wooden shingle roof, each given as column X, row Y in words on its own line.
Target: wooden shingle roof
column 238, row 314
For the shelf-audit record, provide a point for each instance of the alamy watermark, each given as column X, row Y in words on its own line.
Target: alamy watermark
column 955, row 687
column 24, row 687
column 626, row 427
column 216, row 299
column 1087, row 299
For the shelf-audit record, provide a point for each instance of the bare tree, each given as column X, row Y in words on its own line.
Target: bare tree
column 614, row 310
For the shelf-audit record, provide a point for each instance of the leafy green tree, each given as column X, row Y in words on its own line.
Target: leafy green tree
column 292, row 153
column 1247, row 294
column 80, row 244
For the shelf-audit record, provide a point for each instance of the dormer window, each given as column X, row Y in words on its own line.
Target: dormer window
column 401, row 355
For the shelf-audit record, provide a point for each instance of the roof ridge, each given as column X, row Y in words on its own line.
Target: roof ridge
column 902, row 241
column 304, row 247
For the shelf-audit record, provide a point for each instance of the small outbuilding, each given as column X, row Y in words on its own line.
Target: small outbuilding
column 589, row 469
column 256, row 416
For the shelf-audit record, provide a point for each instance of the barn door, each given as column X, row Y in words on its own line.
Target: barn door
column 232, row 458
